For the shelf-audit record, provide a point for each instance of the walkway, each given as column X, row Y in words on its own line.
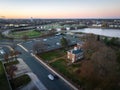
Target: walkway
column 35, row 83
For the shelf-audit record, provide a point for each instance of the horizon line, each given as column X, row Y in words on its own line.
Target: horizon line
column 64, row 18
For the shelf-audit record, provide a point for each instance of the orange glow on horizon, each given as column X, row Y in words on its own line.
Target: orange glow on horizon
column 60, row 8
column 62, row 14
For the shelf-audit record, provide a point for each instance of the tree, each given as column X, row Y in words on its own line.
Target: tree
column 1, row 36
column 118, row 56
column 11, row 54
column 106, row 41
column 112, row 42
column 14, row 54
column 10, row 70
column 105, row 59
column 91, row 46
column 38, row 47
column 64, row 42
column 101, row 72
column 6, row 58
column 25, row 37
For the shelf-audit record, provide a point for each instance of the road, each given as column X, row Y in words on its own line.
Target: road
column 42, row 72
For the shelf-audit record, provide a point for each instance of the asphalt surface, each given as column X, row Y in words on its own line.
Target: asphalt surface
column 6, row 50
column 50, row 43
column 42, row 72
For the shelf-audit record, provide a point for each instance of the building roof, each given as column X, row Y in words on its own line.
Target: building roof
column 77, row 51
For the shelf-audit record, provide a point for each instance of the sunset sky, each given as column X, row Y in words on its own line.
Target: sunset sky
column 60, row 8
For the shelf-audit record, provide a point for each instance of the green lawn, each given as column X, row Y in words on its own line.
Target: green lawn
column 52, row 55
column 61, row 66
column 3, row 80
column 29, row 33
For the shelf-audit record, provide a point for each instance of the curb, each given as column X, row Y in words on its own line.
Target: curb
column 7, row 77
column 72, row 86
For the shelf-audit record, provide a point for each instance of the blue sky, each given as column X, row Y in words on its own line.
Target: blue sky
column 60, row 8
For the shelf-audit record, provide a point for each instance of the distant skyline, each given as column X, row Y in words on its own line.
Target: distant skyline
column 60, row 8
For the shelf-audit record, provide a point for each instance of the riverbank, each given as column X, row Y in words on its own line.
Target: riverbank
column 99, row 31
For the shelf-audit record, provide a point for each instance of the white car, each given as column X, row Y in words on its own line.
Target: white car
column 51, row 77
column 44, row 39
column 57, row 43
column 2, row 51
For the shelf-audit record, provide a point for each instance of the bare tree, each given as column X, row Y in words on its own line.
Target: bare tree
column 25, row 37
column 39, row 47
column 102, row 68
column 104, row 61
column 14, row 54
column 64, row 42
column 10, row 70
column 90, row 47
column 6, row 58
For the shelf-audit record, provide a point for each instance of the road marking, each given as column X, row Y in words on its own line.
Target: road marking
column 22, row 47
column 54, row 72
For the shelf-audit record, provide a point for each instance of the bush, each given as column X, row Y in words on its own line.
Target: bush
column 20, row 81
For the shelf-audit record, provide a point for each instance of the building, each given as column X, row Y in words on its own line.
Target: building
column 75, row 54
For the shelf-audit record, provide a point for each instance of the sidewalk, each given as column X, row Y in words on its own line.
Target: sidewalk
column 35, row 83
column 72, row 86
column 22, row 68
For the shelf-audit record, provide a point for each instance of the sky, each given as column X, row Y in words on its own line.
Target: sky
column 60, row 8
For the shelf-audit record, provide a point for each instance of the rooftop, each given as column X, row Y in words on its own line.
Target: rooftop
column 77, row 51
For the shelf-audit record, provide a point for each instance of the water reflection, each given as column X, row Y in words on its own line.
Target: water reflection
column 104, row 32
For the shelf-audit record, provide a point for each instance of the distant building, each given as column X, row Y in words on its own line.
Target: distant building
column 97, row 25
column 75, row 54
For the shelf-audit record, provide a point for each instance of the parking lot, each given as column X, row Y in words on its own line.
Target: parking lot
column 50, row 43
column 4, row 50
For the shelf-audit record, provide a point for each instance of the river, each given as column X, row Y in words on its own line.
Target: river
column 97, row 31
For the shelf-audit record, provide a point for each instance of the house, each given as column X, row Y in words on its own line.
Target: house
column 75, row 54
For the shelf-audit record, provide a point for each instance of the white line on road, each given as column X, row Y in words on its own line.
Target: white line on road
column 22, row 47
column 55, row 72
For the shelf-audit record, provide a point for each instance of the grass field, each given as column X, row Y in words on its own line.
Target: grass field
column 29, row 33
column 3, row 80
column 68, row 71
column 52, row 55
column 61, row 65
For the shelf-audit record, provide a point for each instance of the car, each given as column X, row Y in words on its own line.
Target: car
column 57, row 43
column 56, row 77
column 44, row 39
column 51, row 77
column 58, row 34
column 2, row 51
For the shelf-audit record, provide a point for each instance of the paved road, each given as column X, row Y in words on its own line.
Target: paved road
column 42, row 72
